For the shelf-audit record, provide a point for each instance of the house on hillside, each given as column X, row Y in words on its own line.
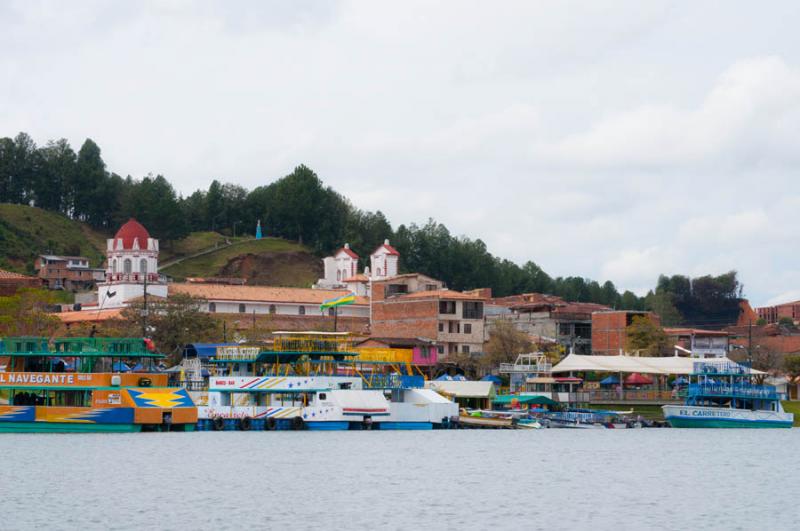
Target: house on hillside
column 70, row 273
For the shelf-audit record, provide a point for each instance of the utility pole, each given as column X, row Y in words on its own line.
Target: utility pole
column 144, row 309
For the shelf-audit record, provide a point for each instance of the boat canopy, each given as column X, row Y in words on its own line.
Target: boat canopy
column 466, row 389
column 524, row 399
column 632, row 364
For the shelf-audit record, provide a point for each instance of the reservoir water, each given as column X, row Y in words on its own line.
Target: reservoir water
column 545, row 479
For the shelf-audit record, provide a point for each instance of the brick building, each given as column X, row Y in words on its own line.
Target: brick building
column 547, row 318
column 68, row 272
column 609, row 330
column 417, row 306
column 773, row 314
column 10, row 282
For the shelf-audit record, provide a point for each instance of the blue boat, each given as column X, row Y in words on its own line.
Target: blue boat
column 722, row 394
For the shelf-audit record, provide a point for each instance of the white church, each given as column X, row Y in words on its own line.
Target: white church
column 132, row 263
column 341, row 269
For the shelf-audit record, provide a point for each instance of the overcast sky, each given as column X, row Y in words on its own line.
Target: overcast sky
column 613, row 142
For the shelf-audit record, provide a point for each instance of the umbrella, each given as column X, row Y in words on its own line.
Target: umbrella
column 444, row 378
column 638, row 379
column 459, row 378
column 492, row 378
column 609, row 380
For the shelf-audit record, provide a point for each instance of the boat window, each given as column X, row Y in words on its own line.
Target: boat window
column 323, row 396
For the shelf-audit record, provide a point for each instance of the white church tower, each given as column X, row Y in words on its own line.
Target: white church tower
column 338, row 268
column 132, row 262
column 384, row 262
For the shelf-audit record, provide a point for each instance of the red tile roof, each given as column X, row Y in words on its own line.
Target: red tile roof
column 260, row 293
column 361, row 277
column 10, row 275
column 130, row 231
column 389, row 249
column 89, row 316
column 348, row 251
column 441, row 294
column 694, row 331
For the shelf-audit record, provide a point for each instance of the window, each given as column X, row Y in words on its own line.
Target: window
column 377, row 271
column 447, row 307
column 396, row 289
column 467, row 328
column 453, row 327
column 465, row 349
column 338, row 274
column 472, row 310
column 212, row 307
column 271, row 308
column 440, row 349
column 127, row 266
column 331, row 312
column 143, row 266
column 302, row 310
column 242, row 308
column 113, row 266
column 441, row 327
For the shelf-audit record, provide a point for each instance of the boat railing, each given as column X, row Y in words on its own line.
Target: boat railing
column 195, row 385
column 393, row 381
column 711, row 366
column 237, row 353
column 767, row 392
column 632, row 395
column 528, row 363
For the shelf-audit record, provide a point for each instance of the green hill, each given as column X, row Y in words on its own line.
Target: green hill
column 270, row 261
column 26, row 232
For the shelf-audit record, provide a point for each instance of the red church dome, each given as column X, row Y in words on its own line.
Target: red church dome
column 130, row 231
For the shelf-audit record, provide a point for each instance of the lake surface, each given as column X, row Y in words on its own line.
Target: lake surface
column 537, row 479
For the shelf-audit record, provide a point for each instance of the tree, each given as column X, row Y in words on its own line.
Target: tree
column 662, row 304
column 90, row 172
column 505, row 343
column 173, row 322
column 791, row 365
column 645, row 336
column 51, row 188
column 25, row 314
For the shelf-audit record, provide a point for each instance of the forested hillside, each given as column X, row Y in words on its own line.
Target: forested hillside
column 300, row 207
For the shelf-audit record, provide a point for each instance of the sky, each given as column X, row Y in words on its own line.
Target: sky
column 611, row 140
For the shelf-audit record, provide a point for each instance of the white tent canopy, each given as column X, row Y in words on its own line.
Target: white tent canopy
column 629, row 364
column 467, row 389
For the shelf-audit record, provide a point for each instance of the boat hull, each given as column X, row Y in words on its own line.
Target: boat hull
column 711, row 417
column 327, row 426
column 67, row 427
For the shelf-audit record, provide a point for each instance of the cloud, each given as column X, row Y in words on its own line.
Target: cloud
column 607, row 141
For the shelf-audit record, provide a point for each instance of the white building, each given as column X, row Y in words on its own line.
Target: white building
column 341, row 269
column 132, row 262
column 260, row 300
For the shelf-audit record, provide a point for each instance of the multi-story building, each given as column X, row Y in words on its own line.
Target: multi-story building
column 701, row 343
column 610, row 330
column 68, row 272
column 417, row 306
column 773, row 314
column 546, row 319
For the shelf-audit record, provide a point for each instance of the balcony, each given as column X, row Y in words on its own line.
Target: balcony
column 153, row 278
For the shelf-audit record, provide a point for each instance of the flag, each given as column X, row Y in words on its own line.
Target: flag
column 350, row 298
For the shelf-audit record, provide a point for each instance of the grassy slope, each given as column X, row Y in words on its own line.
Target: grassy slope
column 211, row 264
column 793, row 407
column 26, row 232
column 193, row 243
